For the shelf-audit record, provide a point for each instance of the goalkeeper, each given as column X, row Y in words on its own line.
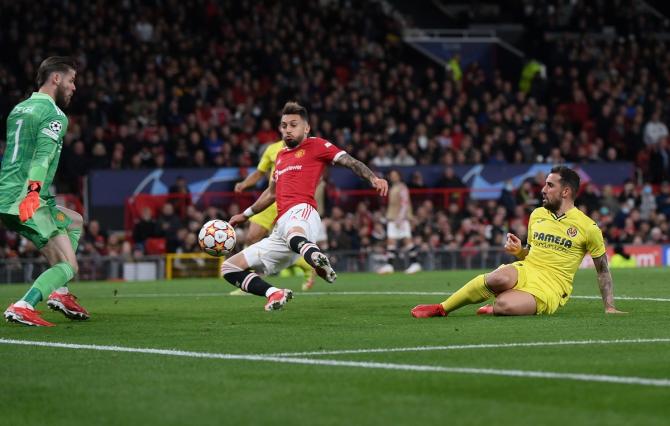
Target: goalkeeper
column 35, row 130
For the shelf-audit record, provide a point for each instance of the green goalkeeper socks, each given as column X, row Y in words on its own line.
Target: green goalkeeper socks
column 49, row 280
column 33, row 296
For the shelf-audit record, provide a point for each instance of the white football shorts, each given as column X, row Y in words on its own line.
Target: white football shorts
column 398, row 231
column 272, row 254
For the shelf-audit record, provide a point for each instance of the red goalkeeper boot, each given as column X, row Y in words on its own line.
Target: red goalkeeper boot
column 67, row 304
column 26, row 316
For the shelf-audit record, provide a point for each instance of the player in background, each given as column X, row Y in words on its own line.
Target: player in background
column 35, row 131
column 299, row 167
column 261, row 223
column 559, row 236
column 398, row 229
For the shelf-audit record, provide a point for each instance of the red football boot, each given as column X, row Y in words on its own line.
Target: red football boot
column 427, row 311
column 26, row 316
column 278, row 299
column 67, row 304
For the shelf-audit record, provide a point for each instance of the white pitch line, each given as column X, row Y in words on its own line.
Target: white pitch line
column 643, row 381
column 360, row 293
column 646, row 299
column 315, row 293
column 476, row 346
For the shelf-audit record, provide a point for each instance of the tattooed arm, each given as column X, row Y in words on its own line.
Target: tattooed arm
column 364, row 172
column 605, row 284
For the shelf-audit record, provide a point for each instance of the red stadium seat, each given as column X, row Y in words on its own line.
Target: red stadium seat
column 155, row 246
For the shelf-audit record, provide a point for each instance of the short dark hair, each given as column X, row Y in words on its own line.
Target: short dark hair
column 569, row 178
column 54, row 64
column 293, row 107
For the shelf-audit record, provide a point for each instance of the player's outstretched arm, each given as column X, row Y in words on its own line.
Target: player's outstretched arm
column 262, row 203
column 364, row 172
column 249, row 181
column 605, row 284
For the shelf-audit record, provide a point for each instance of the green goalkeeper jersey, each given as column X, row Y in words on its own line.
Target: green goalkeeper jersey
column 35, row 131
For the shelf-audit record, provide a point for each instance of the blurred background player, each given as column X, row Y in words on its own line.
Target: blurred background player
column 35, row 131
column 399, row 243
column 261, row 223
column 559, row 236
column 299, row 167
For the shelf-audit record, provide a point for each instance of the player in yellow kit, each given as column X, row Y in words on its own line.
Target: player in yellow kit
column 559, row 236
column 261, row 223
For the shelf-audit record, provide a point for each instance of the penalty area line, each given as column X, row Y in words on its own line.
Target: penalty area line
column 596, row 378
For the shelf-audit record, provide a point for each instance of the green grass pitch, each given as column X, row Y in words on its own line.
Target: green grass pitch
column 254, row 374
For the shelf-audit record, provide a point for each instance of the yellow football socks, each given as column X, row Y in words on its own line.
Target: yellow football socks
column 474, row 291
column 302, row 264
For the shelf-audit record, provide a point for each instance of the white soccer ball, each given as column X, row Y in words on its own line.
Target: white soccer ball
column 217, row 238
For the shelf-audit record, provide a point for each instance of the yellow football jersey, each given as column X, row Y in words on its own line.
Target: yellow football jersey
column 267, row 162
column 266, row 218
column 558, row 245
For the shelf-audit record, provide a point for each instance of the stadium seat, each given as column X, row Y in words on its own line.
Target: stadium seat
column 155, row 246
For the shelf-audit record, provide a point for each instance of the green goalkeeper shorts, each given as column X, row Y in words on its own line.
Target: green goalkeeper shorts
column 46, row 223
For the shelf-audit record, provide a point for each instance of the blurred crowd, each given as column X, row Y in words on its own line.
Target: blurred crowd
column 200, row 83
column 633, row 214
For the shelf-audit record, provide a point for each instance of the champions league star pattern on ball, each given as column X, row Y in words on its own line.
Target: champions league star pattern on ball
column 217, row 237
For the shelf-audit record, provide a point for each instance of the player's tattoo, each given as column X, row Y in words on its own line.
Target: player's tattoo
column 356, row 166
column 604, row 280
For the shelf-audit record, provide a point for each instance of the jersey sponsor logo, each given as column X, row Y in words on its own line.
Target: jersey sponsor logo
column 50, row 133
column 555, row 239
column 55, row 126
column 572, row 232
column 288, row 169
column 300, row 153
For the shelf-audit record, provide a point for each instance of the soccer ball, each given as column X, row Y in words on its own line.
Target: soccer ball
column 217, row 237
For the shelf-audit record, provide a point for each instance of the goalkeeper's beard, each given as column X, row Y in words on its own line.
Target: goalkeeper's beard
column 61, row 99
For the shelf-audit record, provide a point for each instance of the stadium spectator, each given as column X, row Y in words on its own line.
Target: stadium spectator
column 416, row 181
column 146, row 227
column 95, row 239
column 655, row 130
column 603, row 100
column 589, row 198
column 168, row 221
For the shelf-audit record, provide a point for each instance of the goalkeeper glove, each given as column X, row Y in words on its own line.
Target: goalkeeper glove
column 31, row 202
